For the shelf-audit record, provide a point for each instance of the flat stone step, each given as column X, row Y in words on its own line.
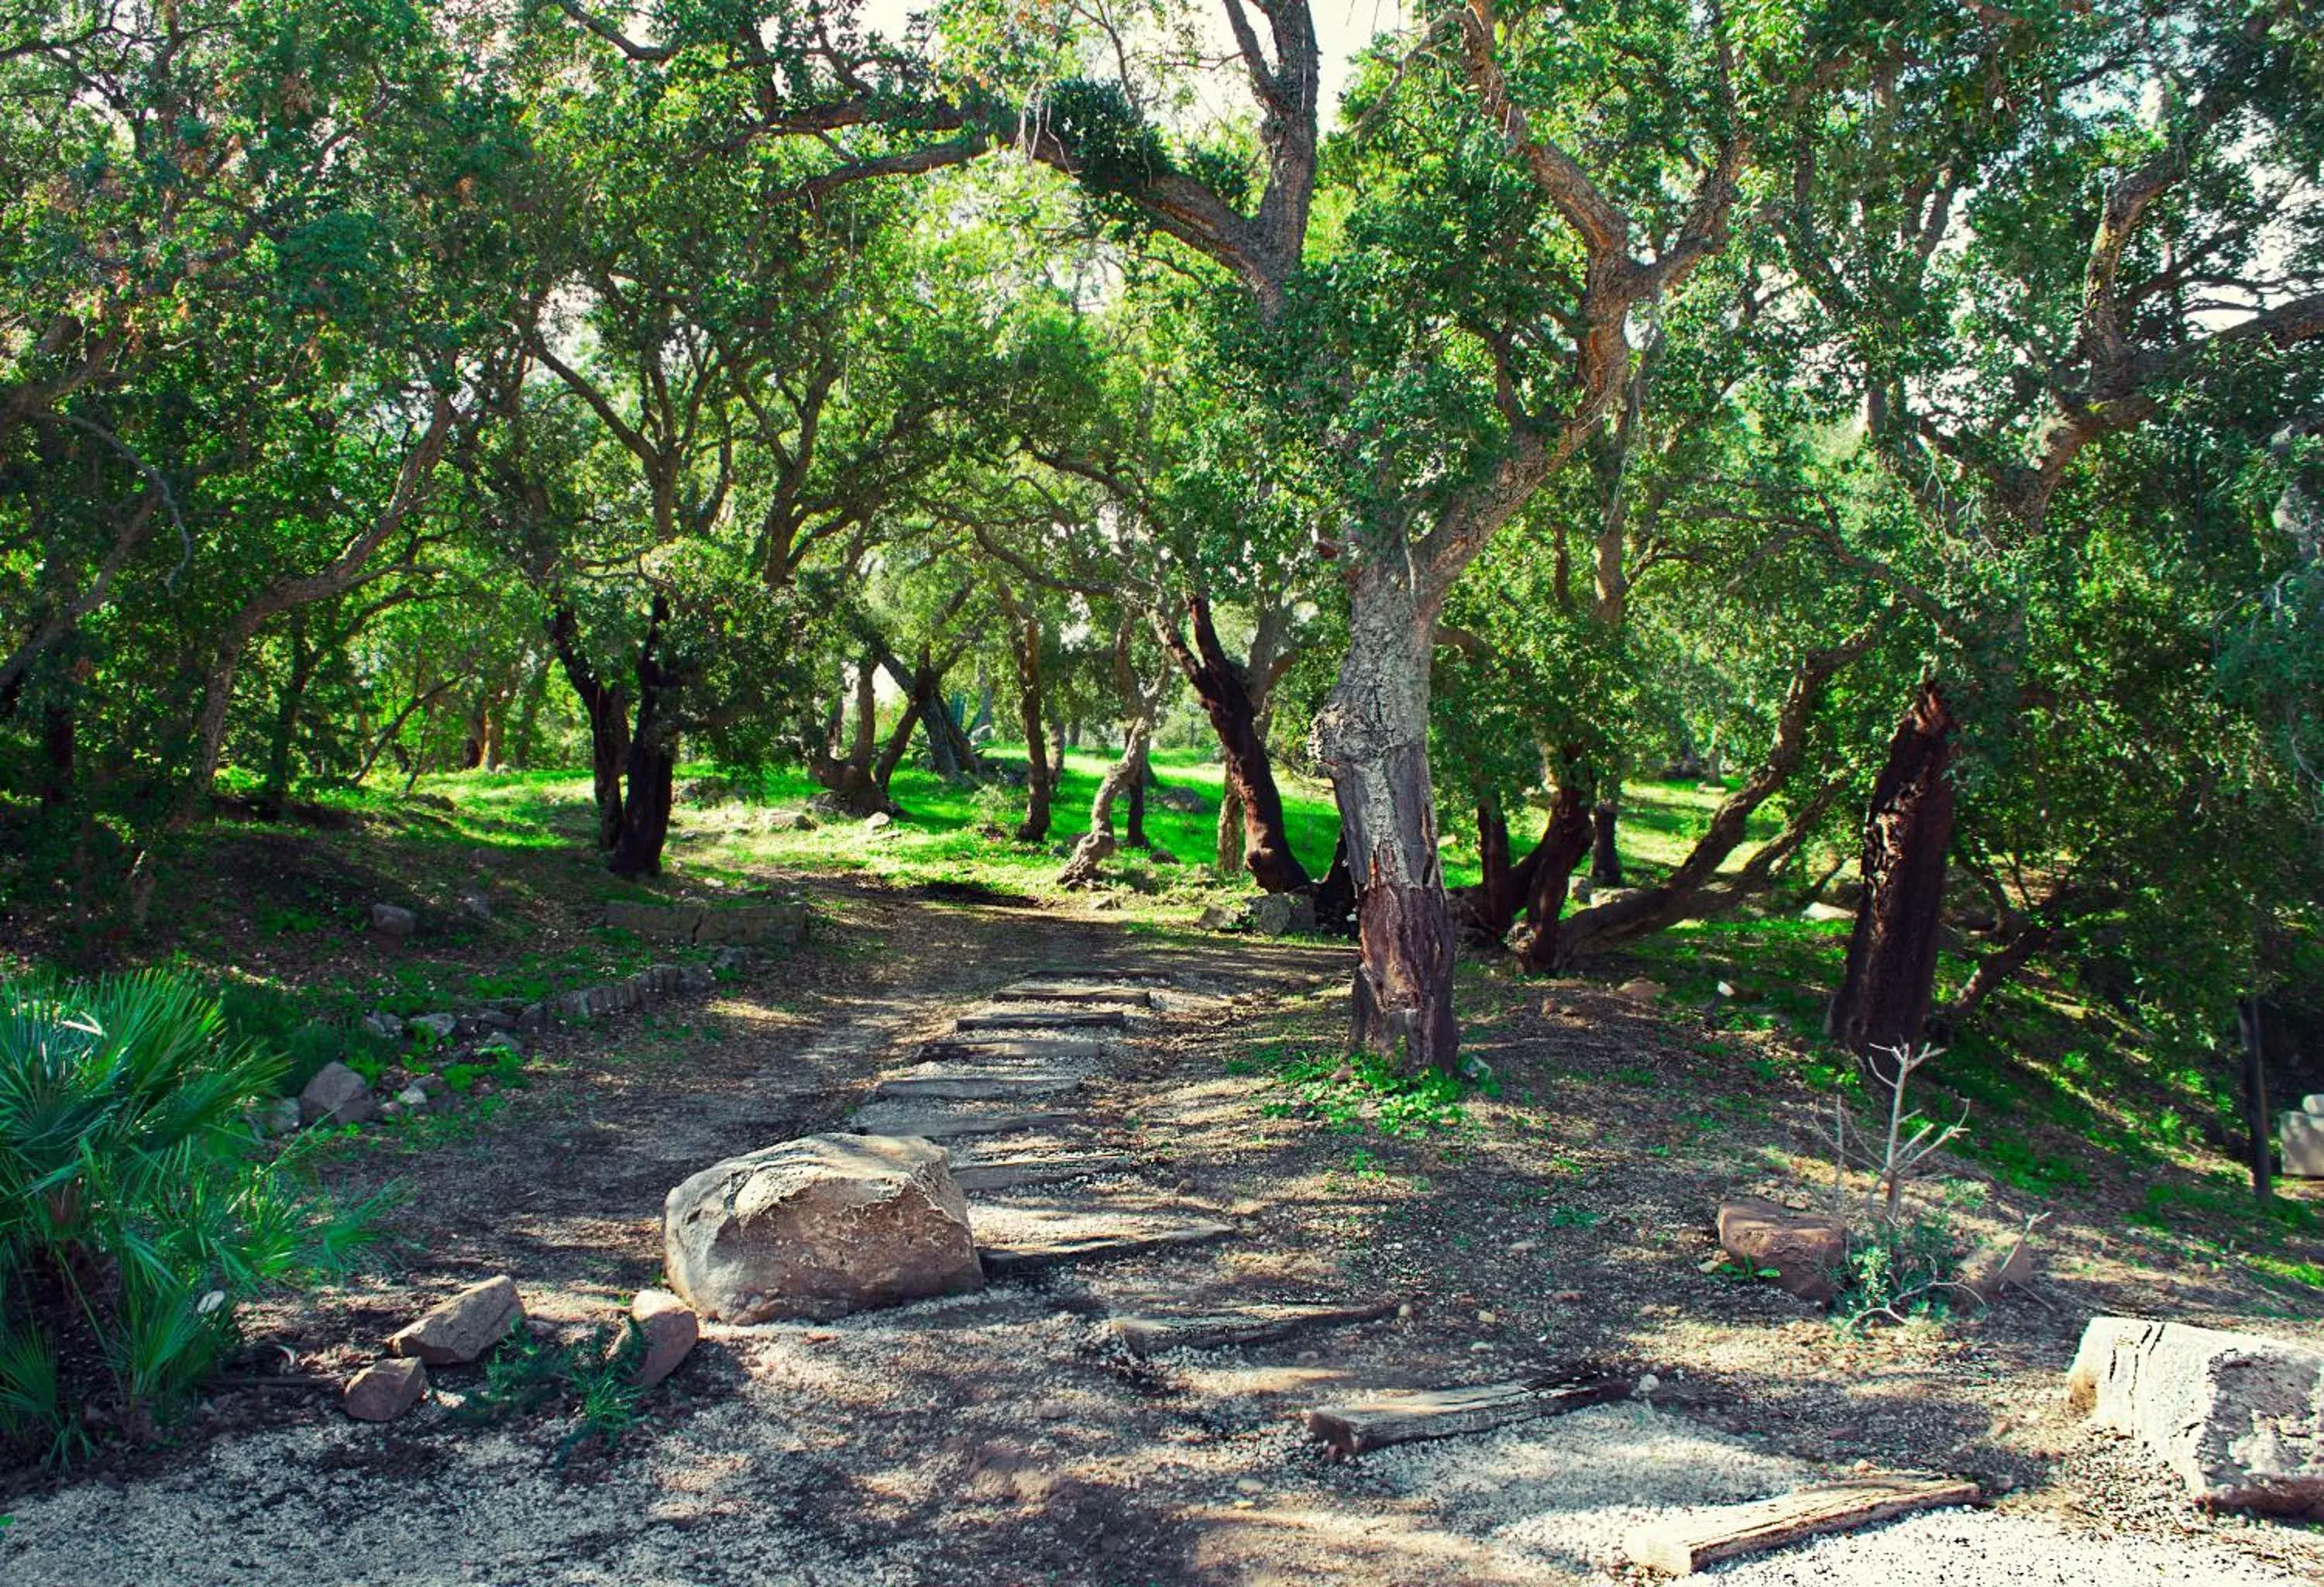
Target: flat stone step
column 988, row 1052
column 1076, row 993
column 1147, row 1334
column 1015, row 1239
column 976, row 1086
column 1042, row 1020
column 1408, row 1416
column 934, row 1123
column 1013, row 1173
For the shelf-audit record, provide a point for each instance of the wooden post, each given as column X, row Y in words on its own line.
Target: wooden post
column 2255, row 1116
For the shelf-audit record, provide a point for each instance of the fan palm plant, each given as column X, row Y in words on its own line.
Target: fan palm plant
column 135, row 1207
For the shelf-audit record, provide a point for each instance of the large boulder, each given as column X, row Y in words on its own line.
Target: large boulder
column 393, row 921
column 818, row 1228
column 337, row 1095
column 464, row 1327
column 2238, row 1416
column 1806, row 1250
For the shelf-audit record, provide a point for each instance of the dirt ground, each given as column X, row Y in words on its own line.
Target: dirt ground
column 1003, row 1438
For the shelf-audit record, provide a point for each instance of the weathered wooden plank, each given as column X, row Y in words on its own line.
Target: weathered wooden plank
column 1408, row 1416
column 985, row 1085
column 1686, row 1544
column 1055, row 1169
column 1051, row 992
column 1152, row 1333
column 1043, row 1020
column 1014, row 1240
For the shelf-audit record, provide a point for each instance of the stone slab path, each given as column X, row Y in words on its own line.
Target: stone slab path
column 1132, row 1401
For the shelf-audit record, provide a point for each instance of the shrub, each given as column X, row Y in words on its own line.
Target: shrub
column 135, row 1209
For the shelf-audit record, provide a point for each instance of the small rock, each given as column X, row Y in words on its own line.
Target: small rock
column 1487, row 1318
column 1518, row 1248
column 1640, row 991
column 1569, row 1297
column 878, row 821
column 500, row 1041
column 464, row 1327
column 337, row 1095
column 411, row 1096
column 281, row 1116
column 671, row 1330
column 440, row 1026
column 391, row 1109
column 393, row 921
column 478, row 904
column 383, row 1025
column 532, row 1019
column 1220, row 917
column 1250, row 1485
column 1823, row 911
column 2003, row 1265
column 383, row 1390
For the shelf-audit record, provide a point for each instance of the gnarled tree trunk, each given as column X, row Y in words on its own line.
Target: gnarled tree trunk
column 1605, row 857
column 607, row 708
column 1372, row 735
column 1549, row 868
column 1890, row 978
column 1226, row 696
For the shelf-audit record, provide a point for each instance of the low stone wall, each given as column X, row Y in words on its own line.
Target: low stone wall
column 744, row 925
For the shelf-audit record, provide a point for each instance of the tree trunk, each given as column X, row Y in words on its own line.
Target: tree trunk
column 1605, row 858
column 1372, row 735
column 1550, row 867
column 607, row 708
column 1124, row 778
column 1890, row 976
column 1486, row 911
column 287, row 706
column 652, row 762
column 2256, row 1122
column 1226, row 699
column 60, row 735
column 1229, row 840
column 1025, row 641
column 1687, row 890
column 1133, row 833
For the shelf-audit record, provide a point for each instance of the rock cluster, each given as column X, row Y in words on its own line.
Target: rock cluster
column 461, row 1331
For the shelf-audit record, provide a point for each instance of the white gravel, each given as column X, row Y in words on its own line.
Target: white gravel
column 1563, row 1493
column 1974, row 1548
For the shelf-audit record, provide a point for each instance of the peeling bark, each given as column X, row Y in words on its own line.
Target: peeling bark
column 1372, row 735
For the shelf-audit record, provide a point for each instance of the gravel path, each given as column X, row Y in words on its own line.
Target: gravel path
column 1002, row 1439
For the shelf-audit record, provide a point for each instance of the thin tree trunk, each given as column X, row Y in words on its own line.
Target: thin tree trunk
column 1680, row 895
column 2256, row 1122
column 1486, row 911
column 1372, row 735
column 1229, row 840
column 1025, row 641
column 606, row 706
column 288, row 704
column 1122, row 779
column 1890, row 977
column 652, row 762
column 59, row 736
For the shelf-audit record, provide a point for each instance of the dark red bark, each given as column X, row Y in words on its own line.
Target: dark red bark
column 1890, row 978
column 1549, row 868
column 1219, row 685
